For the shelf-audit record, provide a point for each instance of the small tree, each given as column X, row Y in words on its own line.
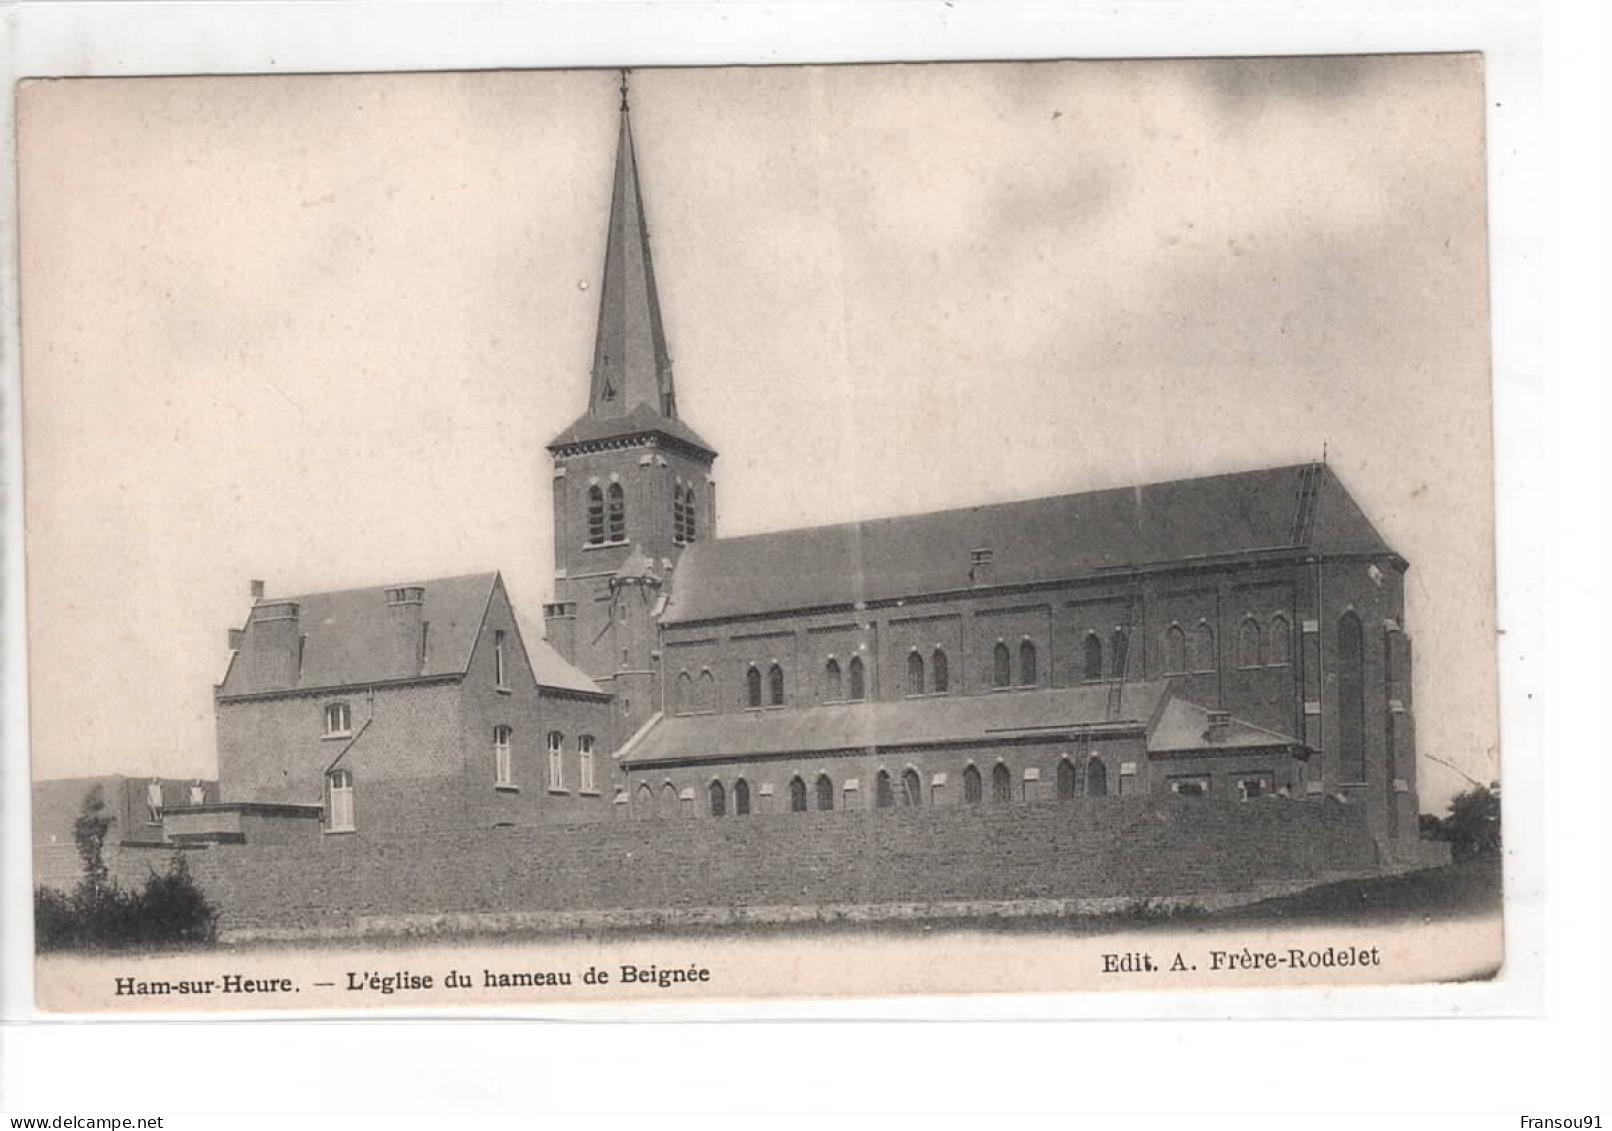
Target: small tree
column 89, row 834
column 1473, row 826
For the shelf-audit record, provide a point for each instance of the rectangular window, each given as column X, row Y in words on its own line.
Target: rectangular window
column 585, row 760
column 338, row 720
column 556, row 761
column 503, row 773
column 340, row 786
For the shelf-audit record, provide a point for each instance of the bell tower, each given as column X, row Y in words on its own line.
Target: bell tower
column 632, row 482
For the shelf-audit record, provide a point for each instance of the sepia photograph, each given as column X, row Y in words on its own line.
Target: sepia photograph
column 507, row 538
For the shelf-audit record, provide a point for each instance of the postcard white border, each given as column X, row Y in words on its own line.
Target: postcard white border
column 139, row 38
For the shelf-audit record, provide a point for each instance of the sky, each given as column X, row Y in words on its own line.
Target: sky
column 318, row 329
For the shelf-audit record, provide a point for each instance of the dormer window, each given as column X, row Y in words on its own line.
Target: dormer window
column 338, row 720
column 407, row 595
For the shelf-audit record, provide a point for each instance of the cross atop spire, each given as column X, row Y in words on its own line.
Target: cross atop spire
column 632, row 388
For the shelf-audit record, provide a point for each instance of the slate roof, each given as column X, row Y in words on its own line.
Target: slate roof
column 1049, row 539
column 1183, row 728
column 640, row 419
column 349, row 636
column 922, row 721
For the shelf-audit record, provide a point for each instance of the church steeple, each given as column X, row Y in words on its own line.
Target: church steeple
column 631, row 390
column 630, row 363
column 632, row 482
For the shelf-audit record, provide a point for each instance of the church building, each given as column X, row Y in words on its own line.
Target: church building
column 1238, row 638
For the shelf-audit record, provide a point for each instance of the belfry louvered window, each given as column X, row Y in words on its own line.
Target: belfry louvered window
column 617, row 513
column 596, row 516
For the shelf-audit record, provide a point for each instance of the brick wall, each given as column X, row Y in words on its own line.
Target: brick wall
column 1067, row 850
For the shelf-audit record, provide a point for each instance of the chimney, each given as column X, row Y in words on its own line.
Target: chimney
column 405, row 611
column 257, row 589
column 236, row 637
column 273, row 642
column 559, row 628
column 981, row 570
column 1219, row 726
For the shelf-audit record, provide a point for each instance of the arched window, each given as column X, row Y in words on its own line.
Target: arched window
column 1093, row 666
column 1203, row 648
column 706, row 699
column 833, row 688
column 1096, row 778
column 797, row 796
column 1119, row 652
column 617, row 513
column 339, row 806
column 859, row 685
column 973, row 788
column 1248, row 643
column 1351, row 699
column 1028, row 676
column 719, row 799
column 1002, row 667
column 775, row 685
column 1279, row 642
column 596, row 516
column 752, row 686
column 645, row 803
column 942, row 672
column 1001, row 783
column 503, row 773
column 1175, row 651
column 1067, row 784
column 679, row 516
column 741, row 798
column 691, row 510
column 825, row 793
column 683, row 696
column 912, row 788
column 556, row 760
column 915, row 674
column 883, row 796
column 668, row 801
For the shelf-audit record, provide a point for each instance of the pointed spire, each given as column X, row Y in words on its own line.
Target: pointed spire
column 631, row 366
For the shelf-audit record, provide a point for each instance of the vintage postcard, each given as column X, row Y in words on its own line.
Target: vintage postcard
column 507, row 539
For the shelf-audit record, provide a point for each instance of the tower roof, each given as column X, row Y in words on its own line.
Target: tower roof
column 632, row 389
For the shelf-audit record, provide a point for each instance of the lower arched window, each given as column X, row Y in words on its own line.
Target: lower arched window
column 941, row 672
column 797, row 796
column 339, row 786
column 741, row 798
column 884, row 797
column 719, row 799
column 775, row 685
column 1068, row 787
column 825, row 793
column 1001, row 783
column 645, row 800
column 833, row 687
column 752, row 687
column 912, row 788
column 1096, row 778
column 973, row 791
column 859, row 679
column 668, row 801
column 1175, row 651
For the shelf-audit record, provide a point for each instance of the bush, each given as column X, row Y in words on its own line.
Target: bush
column 168, row 909
column 1473, row 826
